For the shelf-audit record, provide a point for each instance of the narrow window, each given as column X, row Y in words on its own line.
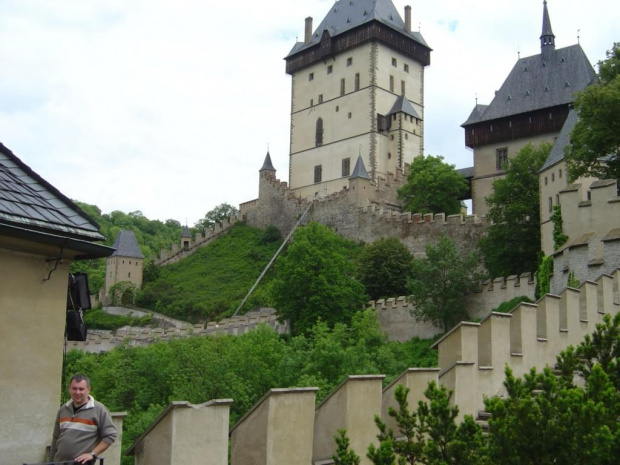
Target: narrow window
column 349, row 61
column 319, row 132
column 546, row 180
column 406, row 67
column 391, row 83
column 318, row 173
column 501, row 158
column 557, row 199
column 550, row 204
column 560, row 174
column 357, row 81
column 552, row 177
column 394, row 62
column 402, row 87
column 311, row 77
column 342, row 86
column 129, row 274
column 311, row 102
column 320, row 98
column 346, row 167
column 330, row 68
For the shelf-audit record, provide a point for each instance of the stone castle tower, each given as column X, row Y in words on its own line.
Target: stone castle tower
column 357, row 91
column 126, row 263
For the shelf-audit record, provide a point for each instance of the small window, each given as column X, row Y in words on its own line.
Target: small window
column 342, row 86
column 394, row 62
column 311, row 77
column 557, row 199
column 550, row 204
column 552, row 177
column 391, row 83
column 349, row 61
column 406, row 67
column 337, row 108
column 349, row 115
column 357, row 81
column 318, row 174
column 501, row 158
column 319, row 132
column 320, row 98
column 402, row 87
column 346, row 167
column 560, row 174
column 406, row 136
column 129, row 274
column 311, row 102
column 391, row 136
column 330, row 68
column 546, row 180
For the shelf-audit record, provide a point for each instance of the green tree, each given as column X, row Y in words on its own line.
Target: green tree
column 433, row 186
column 216, row 216
column 440, row 283
column 344, row 455
column 594, row 148
column 314, row 280
column 385, row 267
column 384, row 453
column 559, row 238
column 512, row 243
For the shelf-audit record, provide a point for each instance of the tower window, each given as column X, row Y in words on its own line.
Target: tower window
column 318, row 173
column 311, row 77
column 320, row 98
column 501, row 158
column 357, row 81
column 311, row 102
column 394, row 62
column 349, row 61
column 346, row 167
column 342, row 86
column 319, row 132
column 391, row 83
column 406, row 67
column 402, row 87
column 330, row 68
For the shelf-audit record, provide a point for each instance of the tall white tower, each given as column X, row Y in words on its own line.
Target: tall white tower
column 357, row 91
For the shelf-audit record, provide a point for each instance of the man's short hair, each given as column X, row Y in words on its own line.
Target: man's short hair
column 79, row 378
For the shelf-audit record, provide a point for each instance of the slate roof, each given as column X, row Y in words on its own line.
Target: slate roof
column 557, row 152
column 540, row 81
column 403, row 105
column 267, row 165
column 360, row 170
column 186, row 232
column 29, row 202
column 126, row 245
column 345, row 15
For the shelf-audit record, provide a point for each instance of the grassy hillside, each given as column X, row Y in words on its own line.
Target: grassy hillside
column 213, row 280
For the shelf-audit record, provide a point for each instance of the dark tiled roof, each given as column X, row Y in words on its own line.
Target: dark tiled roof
column 466, row 172
column 345, row 15
column 267, row 165
column 126, row 245
column 29, row 202
column 557, row 152
column 476, row 114
column 540, row 81
column 402, row 105
column 360, row 170
column 186, row 232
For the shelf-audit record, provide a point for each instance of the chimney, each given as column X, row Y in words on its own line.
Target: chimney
column 308, row 33
column 408, row 18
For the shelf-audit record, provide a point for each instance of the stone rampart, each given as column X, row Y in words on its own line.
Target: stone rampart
column 286, row 427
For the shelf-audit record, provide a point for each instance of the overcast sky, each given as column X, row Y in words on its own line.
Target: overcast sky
column 168, row 107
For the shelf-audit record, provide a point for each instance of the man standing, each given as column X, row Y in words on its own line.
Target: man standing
column 83, row 428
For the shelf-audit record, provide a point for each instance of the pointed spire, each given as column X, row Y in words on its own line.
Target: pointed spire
column 186, row 232
column 267, row 165
column 360, row 170
column 547, row 39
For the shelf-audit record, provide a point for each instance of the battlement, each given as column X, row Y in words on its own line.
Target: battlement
column 286, row 426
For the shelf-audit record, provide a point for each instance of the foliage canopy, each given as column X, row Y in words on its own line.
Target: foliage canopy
column 433, row 186
column 385, row 267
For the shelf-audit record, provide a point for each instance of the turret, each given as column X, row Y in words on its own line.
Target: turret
column 547, row 39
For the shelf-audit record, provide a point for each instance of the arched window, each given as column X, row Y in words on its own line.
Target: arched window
column 319, row 132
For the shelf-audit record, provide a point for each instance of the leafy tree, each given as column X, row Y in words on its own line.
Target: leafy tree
column 559, row 238
column 595, row 141
column 433, row 186
column 216, row 216
column 512, row 243
column 440, row 282
column 543, row 275
column 344, row 455
column 385, row 267
column 314, row 280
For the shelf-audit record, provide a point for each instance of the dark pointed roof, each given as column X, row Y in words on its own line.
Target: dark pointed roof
column 360, row 170
column 267, row 165
column 345, row 15
column 537, row 82
column 547, row 39
column 186, row 232
column 126, row 245
column 557, row 151
column 403, row 105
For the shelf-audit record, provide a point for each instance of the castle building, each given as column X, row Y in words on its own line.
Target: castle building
column 357, row 91
column 532, row 106
column 126, row 263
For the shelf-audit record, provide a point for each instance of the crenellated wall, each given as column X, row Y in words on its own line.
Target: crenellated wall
column 285, row 427
column 593, row 230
